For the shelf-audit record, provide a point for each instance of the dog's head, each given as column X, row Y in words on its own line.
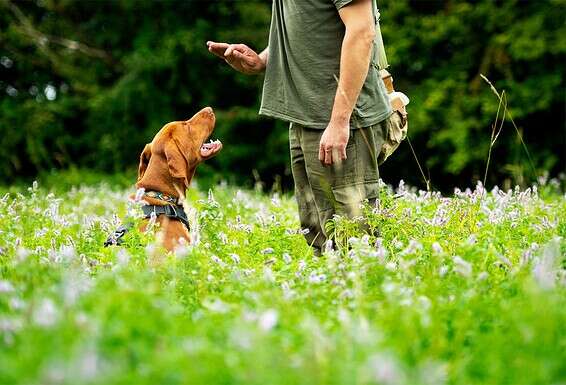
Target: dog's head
column 178, row 148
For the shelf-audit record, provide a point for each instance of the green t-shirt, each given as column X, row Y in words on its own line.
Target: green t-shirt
column 305, row 42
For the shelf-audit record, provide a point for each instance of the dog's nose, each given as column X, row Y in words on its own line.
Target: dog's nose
column 208, row 110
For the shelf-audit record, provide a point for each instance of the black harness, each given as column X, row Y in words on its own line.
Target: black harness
column 171, row 211
column 175, row 212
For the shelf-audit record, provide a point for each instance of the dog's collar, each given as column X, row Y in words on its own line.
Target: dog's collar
column 174, row 212
column 163, row 197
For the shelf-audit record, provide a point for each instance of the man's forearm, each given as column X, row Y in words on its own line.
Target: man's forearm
column 354, row 65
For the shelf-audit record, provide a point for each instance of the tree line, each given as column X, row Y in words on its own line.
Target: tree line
column 88, row 83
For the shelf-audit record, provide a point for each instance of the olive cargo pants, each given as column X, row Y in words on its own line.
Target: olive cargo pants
column 323, row 191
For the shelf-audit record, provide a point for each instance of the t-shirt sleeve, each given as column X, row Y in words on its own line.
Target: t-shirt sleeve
column 340, row 3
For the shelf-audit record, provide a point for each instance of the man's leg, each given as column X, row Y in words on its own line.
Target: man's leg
column 343, row 187
column 308, row 212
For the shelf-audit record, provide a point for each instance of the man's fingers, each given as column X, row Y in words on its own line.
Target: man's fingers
column 321, row 152
column 328, row 156
column 217, row 49
column 241, row 47
column 343, row 153
column 233, row 48
column 245, row 59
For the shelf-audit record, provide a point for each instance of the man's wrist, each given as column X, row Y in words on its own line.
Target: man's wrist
column 340, row 121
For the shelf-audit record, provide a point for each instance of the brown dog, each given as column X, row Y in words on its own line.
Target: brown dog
column 166, row 168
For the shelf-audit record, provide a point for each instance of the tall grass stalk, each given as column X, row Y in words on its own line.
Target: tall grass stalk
column 496, row 131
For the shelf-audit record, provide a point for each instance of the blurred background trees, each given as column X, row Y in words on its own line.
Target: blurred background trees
column 88, row 83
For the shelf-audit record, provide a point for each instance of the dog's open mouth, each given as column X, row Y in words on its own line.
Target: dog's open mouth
column 208, row 150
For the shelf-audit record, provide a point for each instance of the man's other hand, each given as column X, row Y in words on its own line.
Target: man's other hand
column 332, row 148
column 239, row 56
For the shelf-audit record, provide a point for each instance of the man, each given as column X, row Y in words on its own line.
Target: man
column 321, row 75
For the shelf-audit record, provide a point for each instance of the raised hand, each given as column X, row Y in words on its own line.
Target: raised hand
column 239, row 56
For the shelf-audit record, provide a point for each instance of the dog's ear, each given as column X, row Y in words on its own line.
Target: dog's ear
column 177, row 161
column 144, row 160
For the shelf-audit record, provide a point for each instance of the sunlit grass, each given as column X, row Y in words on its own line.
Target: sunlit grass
column 459, row 290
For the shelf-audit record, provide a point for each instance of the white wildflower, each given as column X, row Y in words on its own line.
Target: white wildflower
column 461, row 266
column 10, row 325
column 216, row 305
column 397, row 244
column 211, row 197
column 74, row 284
column 122, row 257
column 381, row 252
column 545, row 267
column 483, row 276
column 235, row 258
column 401, row 189
column 433, row 373
column 316, row 278
column 287, row 258
column 22, row 253
column 17, row 303
column 268, row 250
column 505, row 260
column 275, row 200
column 268, row 275
column 151, row 249
column 389, row 287
column 347, row 293
column 472, row 239
column 268, row 319
column 139, row 194
column 436, row 248
column 424, row 302
column 81, row 319
column 218, row 261
column 45, row 314
column 183, row 248
column 405, row 264
column 41, row 232
column 88, row 364
column 413, row 247
column 6, row 287
column 328, row 246
column 353, row 241
column 288, row 293
column 392, row 266
column 385, row 369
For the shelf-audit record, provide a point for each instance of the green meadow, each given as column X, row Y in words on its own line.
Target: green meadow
column 462, row 289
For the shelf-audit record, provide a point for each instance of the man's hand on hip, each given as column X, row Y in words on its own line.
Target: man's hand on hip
column 333, row 143
column 239, row 56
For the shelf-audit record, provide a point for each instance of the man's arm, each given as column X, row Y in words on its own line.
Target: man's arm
column 354, row 64
column 240, row 57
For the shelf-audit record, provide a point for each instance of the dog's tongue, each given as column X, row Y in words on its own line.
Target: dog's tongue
column 210, row 149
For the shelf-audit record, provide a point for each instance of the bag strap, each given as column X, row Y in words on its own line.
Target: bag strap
column 379, row 46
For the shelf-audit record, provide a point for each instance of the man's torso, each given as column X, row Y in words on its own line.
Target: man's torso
column 304, row 65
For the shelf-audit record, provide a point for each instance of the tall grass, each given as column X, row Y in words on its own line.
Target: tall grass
column 462, row 290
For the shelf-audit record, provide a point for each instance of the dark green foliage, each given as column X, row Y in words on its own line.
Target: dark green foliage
column 121, row 69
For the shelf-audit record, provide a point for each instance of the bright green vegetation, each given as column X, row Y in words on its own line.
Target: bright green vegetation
column 462, row 290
